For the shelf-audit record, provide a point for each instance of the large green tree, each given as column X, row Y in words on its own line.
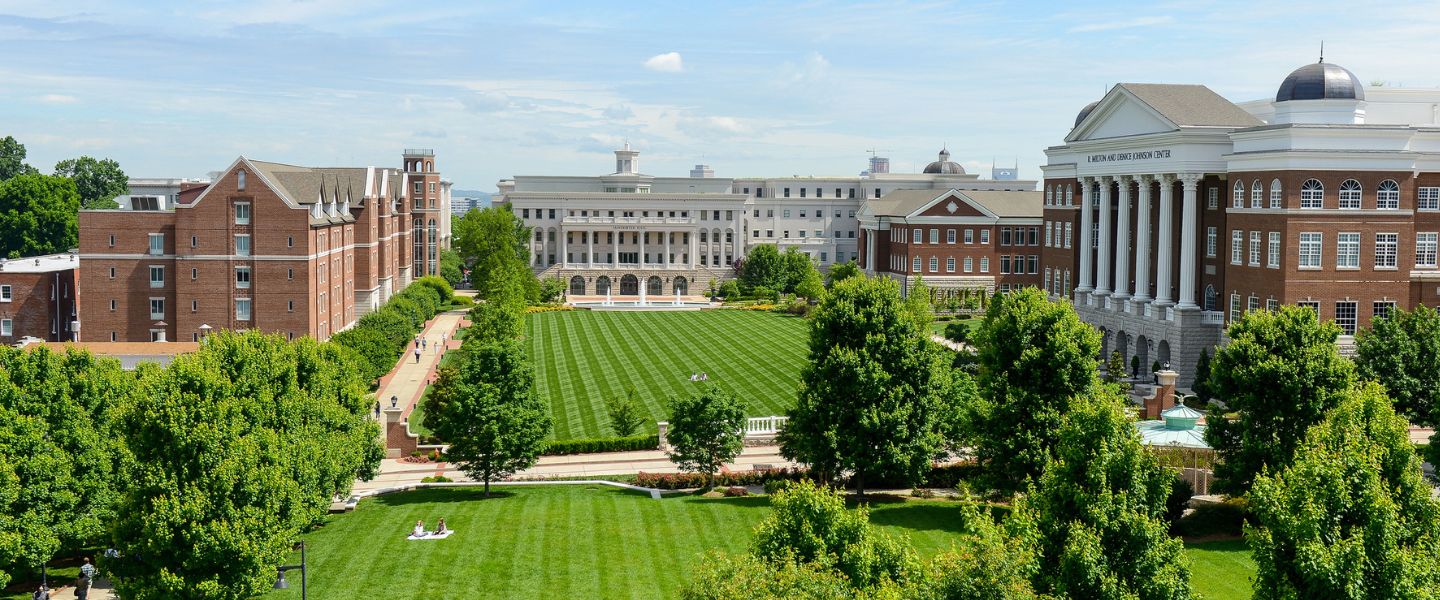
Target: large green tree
column 809, row 523
column 12, row 159
column 39, row 215
column 237, row 448
column 763, row 267
column 1036, row 357
column 1281, row 372
column 1096, row 516
column 492, row 242
column 1352, row 517
column 876, row 396
column 452, row 267
column 486, row 409
column 797, row 267
column 1402, row 353
column 99, row 181
column 706, row 430
column 842, row 271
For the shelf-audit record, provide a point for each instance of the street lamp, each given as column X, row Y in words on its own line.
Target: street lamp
column 281, row 584
column 205, row 330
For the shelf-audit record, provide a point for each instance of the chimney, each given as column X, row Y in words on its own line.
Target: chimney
column 1163, row 396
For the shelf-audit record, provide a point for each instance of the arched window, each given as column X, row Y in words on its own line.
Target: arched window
column 1276, row 199
column 1069, row 195
column 1350, row 192
column 1210, row 298
column 1387, row 196
column 1237, row 200
column 1312, row 194
column 240, row 181
column 1257, row 195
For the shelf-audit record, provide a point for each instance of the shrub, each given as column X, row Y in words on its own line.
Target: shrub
column 548, row 308
column 775, row 486
column 444, row 293
column 922, row 493
column 957, row 332
column 436, row 479
column 1180, row 494
column 684, row 481
column 462, row 301
column 1214, row 519
column 614, row 444
column 735, row 491
column 766, row 294
column 729, row 289
column 794, row 307
column 377, row 352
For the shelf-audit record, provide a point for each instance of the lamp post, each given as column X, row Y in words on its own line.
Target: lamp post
column 281, row 584
column 205, row 330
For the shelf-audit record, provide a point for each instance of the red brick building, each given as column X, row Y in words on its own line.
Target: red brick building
column 37, row 298
column 955, row 240
column 280, row 248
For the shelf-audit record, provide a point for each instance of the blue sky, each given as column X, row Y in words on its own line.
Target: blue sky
column 753, row 89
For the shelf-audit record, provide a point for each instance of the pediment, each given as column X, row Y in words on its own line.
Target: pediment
column 1120, row 114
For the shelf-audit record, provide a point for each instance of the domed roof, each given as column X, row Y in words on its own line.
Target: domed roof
column 1085, row 112
column 1321, row 81
column 944, row 166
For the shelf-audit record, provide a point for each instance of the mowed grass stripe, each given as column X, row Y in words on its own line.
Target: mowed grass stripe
column 591, row 356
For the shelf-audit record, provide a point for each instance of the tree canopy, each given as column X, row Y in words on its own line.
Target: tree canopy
column 12, row 159
column 1036, row 357
column 810, row 524
column 492, row 241
column 39, row 214
column 98, row 181
column 763, row 267
column 842, row 271
column 1281, row 373
column 1352, row 517
column 1402, row 353
column 876, row 396
column 706, row 430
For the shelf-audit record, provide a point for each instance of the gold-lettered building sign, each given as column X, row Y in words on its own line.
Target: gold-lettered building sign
column 1120, row 156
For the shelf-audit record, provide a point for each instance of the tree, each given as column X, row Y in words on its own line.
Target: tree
column 1281, row 373
column 763, row 267
column 492, row 242
column 706, row 431
column 917, row 303
column 1202, row 377
column 810, row 524
column 1115, row 367
column 97, row 181
column 811, row 287
column 957, row 331
column 842, row 271
column 876, row 396
column 1400, row 352
column 1036, row 358
column 12, row 159
column 487, row 410
column 493, row 322
column 552, row 289
column 238, row 447
column 624, row 411
column 1096, row 516
column 452, row 267
column 729, row 289
column 39, row 215
column 1352, row 516
column 720, row 576
column 796, row 268
column 987, row 564
column 378, row 353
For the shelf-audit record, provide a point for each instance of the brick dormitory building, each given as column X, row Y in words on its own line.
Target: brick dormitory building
column 279, row 248
column 1178, row 210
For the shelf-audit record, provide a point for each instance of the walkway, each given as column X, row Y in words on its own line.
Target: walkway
column 407, row 381
column 394, row 472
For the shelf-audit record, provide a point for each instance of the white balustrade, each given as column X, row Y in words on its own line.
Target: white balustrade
column 1212, row 317
column 764, row 425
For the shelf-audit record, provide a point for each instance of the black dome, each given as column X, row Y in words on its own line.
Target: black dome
column 1085, row 112
column 1321, row 81
column 944, row 166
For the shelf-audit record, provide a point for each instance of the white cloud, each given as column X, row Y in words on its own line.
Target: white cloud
column 1126, row 24
column 668, row 62
column 58, row 99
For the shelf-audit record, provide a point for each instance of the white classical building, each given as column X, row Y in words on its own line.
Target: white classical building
column 613, row 233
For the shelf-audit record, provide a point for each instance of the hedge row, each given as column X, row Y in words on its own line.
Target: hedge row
column 939, row 476
column 615, row 444
column 382, row 335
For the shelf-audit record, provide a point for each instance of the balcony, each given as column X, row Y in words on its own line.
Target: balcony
column 1212, row 317
column 628, row 221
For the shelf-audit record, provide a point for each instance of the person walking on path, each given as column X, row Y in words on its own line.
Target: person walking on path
column 424, row 343
column 87, row 575
column 417, row 355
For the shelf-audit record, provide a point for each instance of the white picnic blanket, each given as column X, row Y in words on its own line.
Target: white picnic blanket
column 430, row 535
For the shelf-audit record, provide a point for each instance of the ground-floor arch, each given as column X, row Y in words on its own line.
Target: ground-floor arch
column 602, row 285
column 654, row 286
column 629, row 285
column 681, row 286
column 577, row 286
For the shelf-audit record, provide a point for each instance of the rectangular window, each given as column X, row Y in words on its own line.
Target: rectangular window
column 1254, row 248
column 7, row 327
column 242, row 309
column 1347, row 251
column 1313, row 306
column 1234, row 307
column 1237, row 242
column 1253, row 303
column 242, row 245
column 525, row 213
column 157, row 276
column 969, row 236
column 1272, row 259
column 1425, row 249
column 242, row 213
column 1033, row 261
column 6, row 293
column 242, row 278
column 1049, row 240
column 1272, row 304
column 289, row 306
column 1427, row 198
column 934, row 264
column 915, row 264
column 1212, row 198
column 1004, row 236
column 1067, row 235
column 1345, row 317
column 934, row 236
column 918, row 237
column 157, row 244
column 969, row 264
column 1387, row 248
column 1046, row 282
column 194, row 305
column 1381, row 309
column 787, row 194
column 112, row 304
column 1034, row 236
column 1310, row 244
column 112, row 272
column 785, row 214
column 157, row 308
column 802, row 195
column 824, row 257
column 1004, row 264
column 950, row 236
column 802, row 211
column 985, row 236
column 984, row 264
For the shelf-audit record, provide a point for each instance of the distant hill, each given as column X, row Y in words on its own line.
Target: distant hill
column 458, row 200
column 471, row 194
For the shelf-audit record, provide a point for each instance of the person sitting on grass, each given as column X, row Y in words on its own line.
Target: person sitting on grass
column 419, row 528
column 440, row 527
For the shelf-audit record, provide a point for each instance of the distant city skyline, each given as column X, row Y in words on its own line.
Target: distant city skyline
column 178, row 89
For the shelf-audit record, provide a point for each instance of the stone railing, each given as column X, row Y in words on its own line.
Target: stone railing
column 1212, row 317
column 758, row 431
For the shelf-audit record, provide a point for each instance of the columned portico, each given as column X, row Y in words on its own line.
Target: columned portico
column 1189, row 222
column 1142, row 241
column 1122, row 240
column 1164, row 282
column 1102, row 285
column 1087, row 243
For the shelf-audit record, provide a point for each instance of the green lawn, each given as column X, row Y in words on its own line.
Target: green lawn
column 592, row 542
column 938, row 327
column 584, row 357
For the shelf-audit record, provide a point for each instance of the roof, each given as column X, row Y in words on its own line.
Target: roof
column 1189, row 105
column 129, row 354
column 1320, row 81
column 903, row 203
column 307, row 185
column 1154, row 433
column 48, row 263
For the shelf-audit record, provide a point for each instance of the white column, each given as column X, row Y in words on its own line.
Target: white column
column 590, row 249
column 694, row 248
column 1142, row 240
column 644, row 233
column 1188, row 220
column 667, row 248
column 1122, row 239
column 1087, row 221
column 1102, row 283
column 564, row 248
column 614, row 249
column 870, row 249
column 1164, row 276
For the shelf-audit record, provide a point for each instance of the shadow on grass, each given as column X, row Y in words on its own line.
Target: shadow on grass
column 435, row 495
column 920, row 517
